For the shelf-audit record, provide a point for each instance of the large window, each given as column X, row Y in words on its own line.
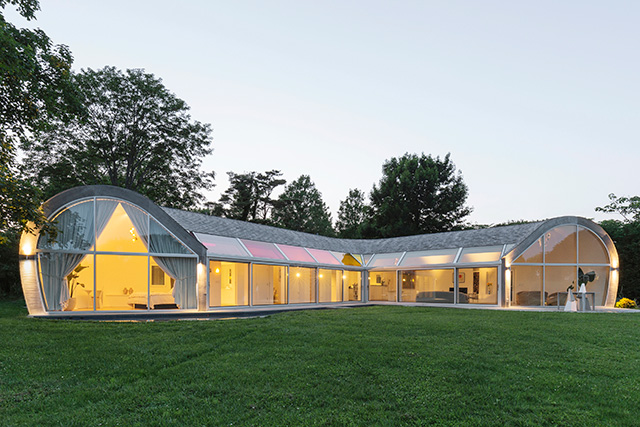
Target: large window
column 564, row 257
column 478, row 285
column 526, row 284
column 229, row 283
column 269, row 284
column 352, row 285
column 429, row 286
column 382, row 286
column 302, row 285
column 137, row 263
column 330, row 285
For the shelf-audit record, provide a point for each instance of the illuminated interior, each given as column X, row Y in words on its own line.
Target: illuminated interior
column 382, row 285
column 137, row 265
column 111, row 255
column 269, row 284
column 329, row 285
column 428, row 286
column 229, row 283
column 564, row 258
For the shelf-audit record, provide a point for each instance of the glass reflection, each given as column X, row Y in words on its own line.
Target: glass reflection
column 526, row 285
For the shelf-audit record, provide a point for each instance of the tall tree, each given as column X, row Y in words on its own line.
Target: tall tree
column 34, row 87
column 248, row 197
column 626, row 236
column 353, row 215
column 418, row 194
column 300, row 207
column 135, row 134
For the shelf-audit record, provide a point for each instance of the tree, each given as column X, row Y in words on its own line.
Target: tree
column 35, row 86
column 248, row 197
column 626, row 236
column 135, row 134
column 418, row 194
column 300, row 207
column 627, row 207
column 353, row 215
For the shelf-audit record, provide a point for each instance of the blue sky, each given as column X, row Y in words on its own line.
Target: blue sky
column 538, row 102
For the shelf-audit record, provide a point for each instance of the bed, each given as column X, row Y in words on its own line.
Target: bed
column 157, row 301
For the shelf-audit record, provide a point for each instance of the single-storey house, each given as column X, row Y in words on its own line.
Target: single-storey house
column 117, row 251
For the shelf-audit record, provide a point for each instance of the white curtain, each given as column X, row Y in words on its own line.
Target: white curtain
column 158, row 240
column 75, row 226
column 140, row 221
column 183, row 271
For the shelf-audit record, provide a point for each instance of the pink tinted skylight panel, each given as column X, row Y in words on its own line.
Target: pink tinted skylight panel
column 262, row 249
column 296, row 253
column 324, row 257
column 218, row 245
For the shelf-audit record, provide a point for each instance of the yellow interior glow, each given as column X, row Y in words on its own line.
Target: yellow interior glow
column 217, row 270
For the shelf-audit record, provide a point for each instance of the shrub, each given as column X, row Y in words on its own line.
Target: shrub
column 626, row 303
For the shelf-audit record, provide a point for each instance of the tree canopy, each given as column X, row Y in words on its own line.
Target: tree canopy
column 418, row 194
column 35, row 86
column 134, row 134
column 300, row 207
column 627, row 207
column 248, row 197
column 352, row 215
column 626, row 236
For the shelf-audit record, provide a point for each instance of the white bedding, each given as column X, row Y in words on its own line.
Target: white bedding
column 140, row 298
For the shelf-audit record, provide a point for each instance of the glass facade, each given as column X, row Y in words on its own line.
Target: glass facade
column 111, row 255
column 228, row 283
column 428, row 286
column 352, row 285
column 302, row 285
column 383, row 285
column 269, row 284
column 137, row 264
column 329, row 285
column 478, row 285
column 565, row 257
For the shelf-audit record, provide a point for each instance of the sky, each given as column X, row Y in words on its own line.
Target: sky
column 538, row 102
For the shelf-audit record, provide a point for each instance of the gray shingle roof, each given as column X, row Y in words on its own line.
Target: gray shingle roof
column 200, row 223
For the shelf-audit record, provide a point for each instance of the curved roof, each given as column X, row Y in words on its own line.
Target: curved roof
column 62, row 199
column 184, row 223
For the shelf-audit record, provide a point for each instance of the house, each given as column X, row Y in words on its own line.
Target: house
column 119, row 252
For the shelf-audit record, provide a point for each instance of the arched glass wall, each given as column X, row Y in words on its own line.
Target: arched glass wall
column 110, row 255
column 563, row 257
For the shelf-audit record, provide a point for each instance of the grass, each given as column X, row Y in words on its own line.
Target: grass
column 365, row 366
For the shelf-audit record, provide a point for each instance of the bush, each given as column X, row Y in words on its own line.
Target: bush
column 9, row 272
column 626, row 303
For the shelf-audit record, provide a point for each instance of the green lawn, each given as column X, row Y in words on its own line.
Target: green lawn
column 363, row 366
